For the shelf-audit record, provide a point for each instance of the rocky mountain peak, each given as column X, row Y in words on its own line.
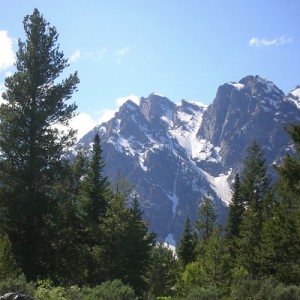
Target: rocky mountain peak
column 263, row 88
column 294, row 96
column 155, row 106
column 175, row 154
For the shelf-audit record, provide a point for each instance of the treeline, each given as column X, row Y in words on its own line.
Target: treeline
column 67, row 232
column 257, row 254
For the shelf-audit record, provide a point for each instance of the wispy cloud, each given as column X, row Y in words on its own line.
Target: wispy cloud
column 75, row 56
column 282, row 40
column 84, row 122
column 121, row 53
column 95, row 55
column 7, row 56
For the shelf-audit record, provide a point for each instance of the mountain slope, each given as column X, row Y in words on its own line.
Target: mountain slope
column 176, row 154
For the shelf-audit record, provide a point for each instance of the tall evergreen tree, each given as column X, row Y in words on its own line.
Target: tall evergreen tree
column 186, row 250
column 236, row 210
column 206, row 219
column 280, row 253
column 255, row 187
column 96, row 185
column 32, row 144
column 138, row 243
column 161, row 276
column 204, row 225
column 255, row 179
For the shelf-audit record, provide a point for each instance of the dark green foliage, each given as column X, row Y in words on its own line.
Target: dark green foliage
column 236, row 211
column 210, row 268
column 200, row 293
column 282, row 292
column 187, row 243
column 8, row 264
column 126, row 242
column 110, row 290
column 96, row 186
column 161, row 275
column 255, row 188
column 255, row 179
column 206, row 219
column 268, row 288
column 280, row 253
column 138, row 244
column 17, row 285
column 32, row 145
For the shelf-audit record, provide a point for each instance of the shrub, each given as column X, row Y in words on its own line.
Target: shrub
column 200, row 293
column 291, row 292
column 46, row 291
column 16, row 285
column 110, row 290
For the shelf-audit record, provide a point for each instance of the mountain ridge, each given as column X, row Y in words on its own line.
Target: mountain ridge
column 175, row 154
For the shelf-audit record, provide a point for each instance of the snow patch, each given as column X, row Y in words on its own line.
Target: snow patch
column 173, row 197
column 295, row 98
column 186, row 132
column 237, row 86
column 159, row 95
column 142, row 162
column 170, row 242
column 296, row 92
column 220, row 185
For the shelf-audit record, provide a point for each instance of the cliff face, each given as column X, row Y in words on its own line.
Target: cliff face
column 174, row 155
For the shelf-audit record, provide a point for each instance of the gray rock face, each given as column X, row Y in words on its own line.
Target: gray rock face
column 176, row 154
column 15, row 296
column 253, row 108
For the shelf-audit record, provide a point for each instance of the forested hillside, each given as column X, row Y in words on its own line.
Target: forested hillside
column 68, row 232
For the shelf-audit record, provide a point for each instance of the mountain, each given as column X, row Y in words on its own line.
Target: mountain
column 175, row 154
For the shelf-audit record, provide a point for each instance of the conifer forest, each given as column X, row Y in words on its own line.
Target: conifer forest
column 68, row 232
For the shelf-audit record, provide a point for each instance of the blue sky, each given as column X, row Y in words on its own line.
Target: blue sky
column 180, row 49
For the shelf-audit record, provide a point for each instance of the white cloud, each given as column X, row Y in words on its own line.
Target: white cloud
column 83, row 123
column 123, row 51
column 2, row 89
column 95, row 55
column 282, row 40
column 105, row 115
column 75, row 56
column 7, row 56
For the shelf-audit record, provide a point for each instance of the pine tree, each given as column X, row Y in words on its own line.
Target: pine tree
column 72, row 252
column 161, row 275
column 206, row 219
column 186, row 251
column 32, row 144
column 138, row 243
column 96, row 185
column 255, row 179
column 8, row 264
column 280, row 253
column 110, row 253
column 255, row 187
column 236, row 210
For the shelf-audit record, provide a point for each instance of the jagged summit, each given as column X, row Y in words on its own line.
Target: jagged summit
column 294, row 96
column 175, row 154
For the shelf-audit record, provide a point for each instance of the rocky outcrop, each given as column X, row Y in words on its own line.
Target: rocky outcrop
column 15, row 296
column 175, row 154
